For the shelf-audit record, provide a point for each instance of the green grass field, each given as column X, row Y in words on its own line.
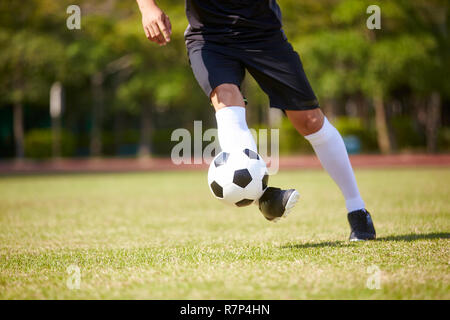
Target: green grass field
column 162, row 236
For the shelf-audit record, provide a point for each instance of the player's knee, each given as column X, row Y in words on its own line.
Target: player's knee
column 306, row 122
column 227, row 95
column 313, row 123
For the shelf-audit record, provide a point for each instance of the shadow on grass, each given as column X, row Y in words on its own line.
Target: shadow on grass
column 339, row 244
column 342, row 244
column 416, row 236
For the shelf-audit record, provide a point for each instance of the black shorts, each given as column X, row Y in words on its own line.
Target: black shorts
column 275, row 66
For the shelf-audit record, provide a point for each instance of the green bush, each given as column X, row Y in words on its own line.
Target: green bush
column 444, row 139
column 38, row 144
column 161, row 143
column 406, row 135
column 291, row 142
column 120, row 144
column 350, row 126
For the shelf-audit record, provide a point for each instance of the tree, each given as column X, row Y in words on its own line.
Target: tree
column 345, row 59
column 27, row 68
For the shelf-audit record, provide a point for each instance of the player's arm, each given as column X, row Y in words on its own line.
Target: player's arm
column 156, row 23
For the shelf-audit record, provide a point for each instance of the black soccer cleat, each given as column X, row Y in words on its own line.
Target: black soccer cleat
column 361, row 225
column 276, row 203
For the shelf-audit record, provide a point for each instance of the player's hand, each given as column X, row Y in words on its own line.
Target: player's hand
column 156, row 25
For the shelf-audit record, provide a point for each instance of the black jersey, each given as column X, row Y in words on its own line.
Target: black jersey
column 233, row 21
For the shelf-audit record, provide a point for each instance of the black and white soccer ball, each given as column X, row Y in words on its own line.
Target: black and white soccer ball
column 238, row 177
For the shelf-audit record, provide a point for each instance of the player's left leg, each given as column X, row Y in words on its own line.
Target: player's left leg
column 279, row 71
column 330, row 149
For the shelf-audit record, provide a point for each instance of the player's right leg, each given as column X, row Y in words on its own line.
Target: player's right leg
column 220, row 76
column 232, row 129
column 233, row 132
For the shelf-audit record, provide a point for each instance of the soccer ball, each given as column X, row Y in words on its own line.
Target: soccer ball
column 238, row 177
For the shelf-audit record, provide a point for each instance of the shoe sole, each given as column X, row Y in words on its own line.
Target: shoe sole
column 292, row 201
column 366, row 239
column 357, row 240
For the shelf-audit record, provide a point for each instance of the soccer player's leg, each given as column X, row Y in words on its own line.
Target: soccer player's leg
column 233, row 132
column 232, row 129
column 330, row 149
column 279, row 71
column 219, row 75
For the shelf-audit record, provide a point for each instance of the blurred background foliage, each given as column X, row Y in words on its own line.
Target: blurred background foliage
column 386, row 89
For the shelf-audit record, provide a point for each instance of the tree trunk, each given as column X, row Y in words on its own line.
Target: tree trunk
column 56, row 137
column 363, row 111
column 118, row 130
column 18, row 130
column 433, row 122
column 56, row 109
column 384, row 141
column 97, row 114
column 146, row 132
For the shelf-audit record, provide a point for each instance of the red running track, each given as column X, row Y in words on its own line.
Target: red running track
column 158, row 164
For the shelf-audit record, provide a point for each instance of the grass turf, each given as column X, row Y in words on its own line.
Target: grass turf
column 162, row 236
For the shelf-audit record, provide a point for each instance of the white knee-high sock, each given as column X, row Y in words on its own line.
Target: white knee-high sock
column 232, row 129
column 330, row 149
